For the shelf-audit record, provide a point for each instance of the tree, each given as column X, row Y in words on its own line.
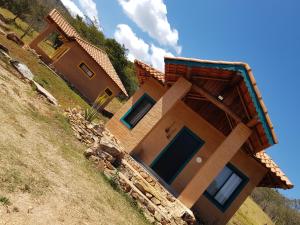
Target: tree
column 20, row 8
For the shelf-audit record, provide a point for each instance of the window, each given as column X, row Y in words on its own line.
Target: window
column 138, row 111
column 86, row 70
column 226, row 187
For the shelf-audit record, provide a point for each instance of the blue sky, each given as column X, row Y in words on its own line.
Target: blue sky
column 265, row 34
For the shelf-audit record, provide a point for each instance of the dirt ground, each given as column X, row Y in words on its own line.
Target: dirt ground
column 44, row 178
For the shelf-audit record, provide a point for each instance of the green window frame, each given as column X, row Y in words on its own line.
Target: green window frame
column 229, row 180
column 137, row 112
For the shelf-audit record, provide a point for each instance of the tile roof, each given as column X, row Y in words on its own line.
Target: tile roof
column 148, row 71
column 280, row 179
column 96, row 53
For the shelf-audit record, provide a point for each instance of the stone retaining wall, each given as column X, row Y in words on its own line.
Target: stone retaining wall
column 157, row 204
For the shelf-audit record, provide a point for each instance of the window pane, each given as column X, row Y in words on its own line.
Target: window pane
column 219, row 181
column 226, row 191
column 138, row 111
column 137, row 114
column 86, row 70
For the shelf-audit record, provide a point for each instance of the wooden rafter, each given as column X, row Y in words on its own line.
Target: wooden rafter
column 216, row 102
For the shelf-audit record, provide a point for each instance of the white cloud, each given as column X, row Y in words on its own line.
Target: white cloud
column 157, row 57
column 72, row 8
column 151, row 17
column 90, row 9
column 139, row 49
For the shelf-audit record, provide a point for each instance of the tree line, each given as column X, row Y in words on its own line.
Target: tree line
column 281, row 210
column 34, row 11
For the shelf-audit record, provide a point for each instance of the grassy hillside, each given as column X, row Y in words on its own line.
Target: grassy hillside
column 44, row 177
column 250, row 214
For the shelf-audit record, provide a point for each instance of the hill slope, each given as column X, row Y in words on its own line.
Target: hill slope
column 44, row 177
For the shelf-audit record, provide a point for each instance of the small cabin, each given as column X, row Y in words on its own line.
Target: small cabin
column 84, row 66
column 202, row 129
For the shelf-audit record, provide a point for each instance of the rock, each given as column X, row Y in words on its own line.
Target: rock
column 134, row 195
column 148, row 195
column 141, row 188
column 144, row 175
column 125, row 187
column 188, row 218
column 149, row 179
column 22, row 69
column 155, row 201
column 151, row 209
column 171, row 198
column 13, row 37
column 109, row 166
column 3, row 48
column 88, row 152
column 111, row 150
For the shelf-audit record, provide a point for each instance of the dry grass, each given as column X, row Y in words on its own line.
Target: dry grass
column 44, row 177
column 19, row 27
column 250, row 214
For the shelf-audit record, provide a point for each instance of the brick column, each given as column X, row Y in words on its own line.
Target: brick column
column 214, row 164
column 34, row 44
column 162, row 106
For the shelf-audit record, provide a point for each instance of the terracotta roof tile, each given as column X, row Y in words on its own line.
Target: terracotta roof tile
column 274, row 169
column 149, row 72
column 59, row 20
column 96, row 53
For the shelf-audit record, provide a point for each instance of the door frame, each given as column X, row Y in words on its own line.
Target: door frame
column 190, row 132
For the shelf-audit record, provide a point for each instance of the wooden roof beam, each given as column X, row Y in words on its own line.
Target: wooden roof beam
column 216, row 102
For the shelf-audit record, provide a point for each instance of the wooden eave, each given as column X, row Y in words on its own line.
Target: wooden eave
column 235, row 85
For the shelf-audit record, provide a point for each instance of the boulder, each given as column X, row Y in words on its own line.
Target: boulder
column 13, row 37
column 88, row 152
column 111, row 150
column 141, row 188
column 155, row 201
column 188, row 218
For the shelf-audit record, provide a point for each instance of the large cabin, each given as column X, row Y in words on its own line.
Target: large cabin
column 202, row 129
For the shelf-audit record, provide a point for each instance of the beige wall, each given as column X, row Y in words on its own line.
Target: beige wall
column 249, row 167
column 126, row 136
column 68, row 66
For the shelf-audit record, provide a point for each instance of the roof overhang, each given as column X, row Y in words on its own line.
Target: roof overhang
column 252, row 92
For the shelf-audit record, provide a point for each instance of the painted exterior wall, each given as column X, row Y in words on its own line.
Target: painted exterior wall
column 165, row 130
column 90, row 88
column 68, row 66
column 130, row 138
column 210, row 214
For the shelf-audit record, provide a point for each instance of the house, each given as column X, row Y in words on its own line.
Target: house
column 83, row 65
column 202, row 129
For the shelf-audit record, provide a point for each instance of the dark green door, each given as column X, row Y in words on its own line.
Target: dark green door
column 176, row 155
